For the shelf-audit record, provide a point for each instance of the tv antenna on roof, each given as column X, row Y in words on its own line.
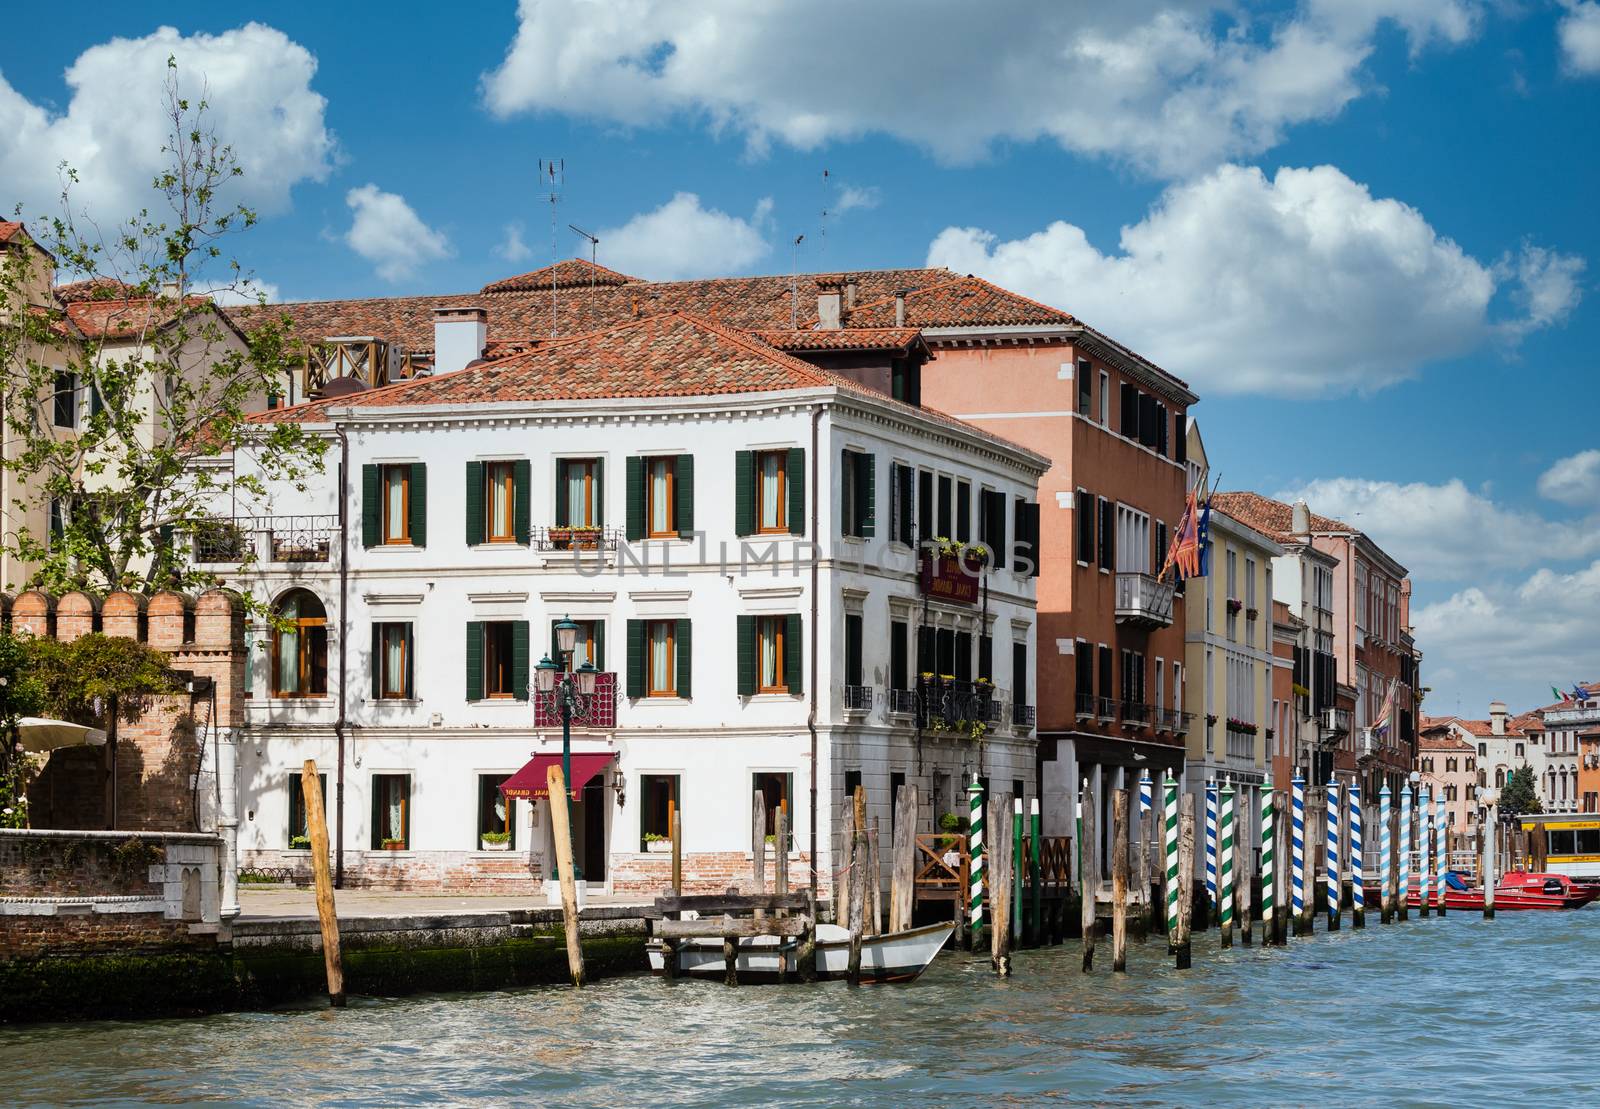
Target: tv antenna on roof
column 594, row 245
column 552, row 178
column 794, row 285
column 822, row 247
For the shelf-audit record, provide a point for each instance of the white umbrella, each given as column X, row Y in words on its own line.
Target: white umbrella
column 40, row 735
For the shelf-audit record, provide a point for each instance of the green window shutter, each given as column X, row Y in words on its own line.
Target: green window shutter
column 793, row 654
column 747, row 655
column 519, row 660
column 377, row 662
column 411, row 662
column 636, row 658
column 867, row 493
column 599, row 644
column 635, row 483
column 795, row 471
column 419, row 504
column 475, row 509
column 474, row 660
column 683, row 634
column 562, row 519
column 369, row 506
column 685, row 493
column 600, row 492
column 377, row 813
column 744, row 493
column 521, row 500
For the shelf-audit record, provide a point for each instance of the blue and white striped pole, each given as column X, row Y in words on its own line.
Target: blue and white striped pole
column 1358, row 880
column 1407, row 846
column 1297, row 848
column 1334, row 884
column 1441, row 835
column 1211, row 849
column 1424, row 849
column 1385, row 854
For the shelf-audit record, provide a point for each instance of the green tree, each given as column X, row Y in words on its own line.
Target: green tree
column 1521, row 793
column 21, row 694
column 163, row 390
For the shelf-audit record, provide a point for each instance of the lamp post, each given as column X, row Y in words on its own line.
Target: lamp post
column 569, row 690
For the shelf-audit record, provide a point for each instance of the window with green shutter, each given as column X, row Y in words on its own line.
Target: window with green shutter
column 474, row 660
column 746, row 655
column 796, row 474
column 793, row 655
column 857, row 493
column 635, row 468
column 371, row 506
column 519, row 660
column 522, row 492
column 419, row 504
column 636, row 630
column 685, row 657
column 744, row 492
column 476, row 513
column 684, row 496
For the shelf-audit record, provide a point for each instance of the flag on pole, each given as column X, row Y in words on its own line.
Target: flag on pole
column 1579, row 693
column 1183, row 556
column 1385, row 717
column 1565, row 698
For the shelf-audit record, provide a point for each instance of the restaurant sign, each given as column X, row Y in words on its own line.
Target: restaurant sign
column 949, row 578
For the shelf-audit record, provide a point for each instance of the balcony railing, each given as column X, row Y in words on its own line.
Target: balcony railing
column 1557, row 718
column 1142, row 599
column 1336, row 721
column 1022, row 716
column 951, row 704
column 1085, row 703
column 597, row 713
column 239, row 539
column 1136, row 713
column 1105, row 708
column 577, row 540
column 903, row 702
column 857, row 698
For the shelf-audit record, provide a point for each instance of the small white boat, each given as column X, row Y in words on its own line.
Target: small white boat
column 894, row 957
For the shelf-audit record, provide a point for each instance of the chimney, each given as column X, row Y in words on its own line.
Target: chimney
column 830, row 306
column 900, row 308
column 459, row 335
column 850, row 293
column 1302, row 519
column 1497, row 717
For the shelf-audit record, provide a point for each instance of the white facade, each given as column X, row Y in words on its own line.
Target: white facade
column 716, row 743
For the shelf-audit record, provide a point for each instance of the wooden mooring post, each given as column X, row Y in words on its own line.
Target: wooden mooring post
column 903, row 864
column 874, row 883
column 1090, row 878
column 1002, row 861
column 1245, row 882
column 1119, row 880
column 327, row 916
column 561, row 826
column 857, row 883
column 1185, row 880
column 1282, row 875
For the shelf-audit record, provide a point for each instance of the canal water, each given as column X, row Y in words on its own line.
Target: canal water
column 1459, row 1012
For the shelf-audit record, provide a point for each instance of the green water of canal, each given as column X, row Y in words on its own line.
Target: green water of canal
column 1460, row 1011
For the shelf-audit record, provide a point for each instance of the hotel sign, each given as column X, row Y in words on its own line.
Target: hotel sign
column 950, row 578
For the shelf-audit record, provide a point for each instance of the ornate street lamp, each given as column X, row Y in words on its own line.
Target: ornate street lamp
column 571, row 693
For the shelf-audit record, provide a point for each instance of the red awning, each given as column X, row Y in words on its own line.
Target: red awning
column 532, row 782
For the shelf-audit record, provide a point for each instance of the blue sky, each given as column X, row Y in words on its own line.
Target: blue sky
column 1363, row 230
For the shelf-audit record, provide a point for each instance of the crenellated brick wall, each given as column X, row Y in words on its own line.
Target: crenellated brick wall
column 157, row 757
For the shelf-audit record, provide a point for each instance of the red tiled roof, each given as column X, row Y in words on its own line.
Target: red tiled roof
column 965, row 300
column 850, row 338
column 8, row 230
column 674, row 354
column 568, row 274
column 95, row 288
column 1272, row 518
column 1484, row 729
column 1443, row 741
column 105, row 319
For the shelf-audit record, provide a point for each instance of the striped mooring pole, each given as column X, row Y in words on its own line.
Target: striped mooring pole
column 975, row 846
column 1385, row 853
column 1424, row 849
column 1225, row 867
column 1406, row 846
column 1174, row 879
column 1441, row 835
column 1333, row 869
column 1267, row 866
column 1297, row 848
column 1211, row 848
column 1358, row 879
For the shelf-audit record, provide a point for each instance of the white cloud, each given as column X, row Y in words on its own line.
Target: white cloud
column 683, row 239
column 1300, row 284
column 512, row 248
column 390, row 235
column 856, row 196
column 1574, row 480
column 1170, row 86
column 1511, row 640
column 246, row 291
column 256, row 81
column 1579, row 36
column 1447, row 531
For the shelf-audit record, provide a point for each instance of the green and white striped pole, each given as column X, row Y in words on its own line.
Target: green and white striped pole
column 975, row 847
column 1225, row 866
column 1174, row 879
column 1268, row 861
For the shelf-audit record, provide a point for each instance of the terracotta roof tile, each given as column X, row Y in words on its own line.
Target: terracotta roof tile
column 95, row 288
column 849, row 338
column 109, row 319
column 968, row 300
column 8, row 230
column 568, row 274
column 1273, row 518
column 1444, row 741
column 1484, row 729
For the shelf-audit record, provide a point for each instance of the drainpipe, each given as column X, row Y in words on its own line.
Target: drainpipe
column 816, row 634
column 344, row 643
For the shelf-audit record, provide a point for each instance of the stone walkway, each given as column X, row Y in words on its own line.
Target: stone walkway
column 279, row 903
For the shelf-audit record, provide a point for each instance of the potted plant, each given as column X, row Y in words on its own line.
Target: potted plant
column 1234, row 604
column 657, row 844
column 299, row 843
column 494, row 841
column 394, row 845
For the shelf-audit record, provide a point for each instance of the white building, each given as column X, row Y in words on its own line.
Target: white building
column 664, row 483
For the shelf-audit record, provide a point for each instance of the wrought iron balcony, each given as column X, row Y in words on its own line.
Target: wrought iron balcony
column 285, row 539
column 903, row 702
column 1144, row 600
column 1085, row 704
column 1105, row 708
column 1335, row 721
column 598, row 713
column 1022, row 716
column 1136, row 713
column 952, row 704
column 1560, row 718
column 857, row 698
column 577, row 539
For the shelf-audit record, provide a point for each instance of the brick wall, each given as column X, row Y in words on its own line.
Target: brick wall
column 157, row 756
column 704, row 872
column 507, row 872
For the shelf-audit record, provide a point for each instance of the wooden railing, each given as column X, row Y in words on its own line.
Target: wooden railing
column 937, row 879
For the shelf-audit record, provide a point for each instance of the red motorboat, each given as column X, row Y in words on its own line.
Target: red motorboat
column 1519, row 889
